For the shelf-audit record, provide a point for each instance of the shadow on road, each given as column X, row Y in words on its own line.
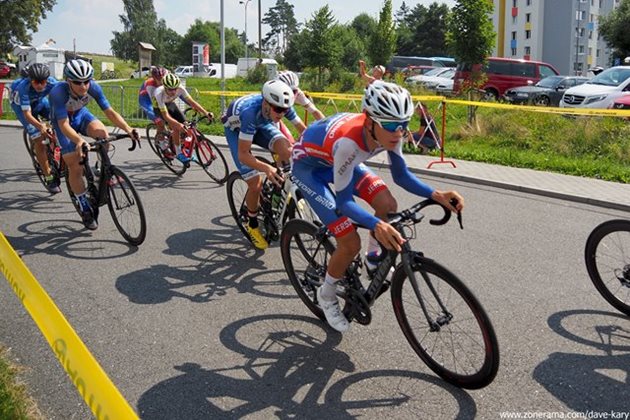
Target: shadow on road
column 584, row 382
column 290, row 364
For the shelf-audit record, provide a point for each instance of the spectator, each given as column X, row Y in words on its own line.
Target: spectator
column 377, row 73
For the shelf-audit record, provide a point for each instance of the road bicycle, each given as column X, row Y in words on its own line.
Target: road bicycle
column 112, row 187
column 607, row 256
column 53, row 155
column 206, row 153
column 441, row 318
column 277, row 204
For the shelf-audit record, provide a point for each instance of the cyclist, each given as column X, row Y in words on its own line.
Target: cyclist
column 333, row 151
column 292, row 80
column 29, row 103
column 165, row 97
column 254, row 119
column 71, row 118
column 146, row 95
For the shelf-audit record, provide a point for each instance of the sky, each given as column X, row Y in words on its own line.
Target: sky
column 91, row 22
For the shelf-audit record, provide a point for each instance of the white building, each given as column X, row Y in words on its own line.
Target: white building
column 45, row 53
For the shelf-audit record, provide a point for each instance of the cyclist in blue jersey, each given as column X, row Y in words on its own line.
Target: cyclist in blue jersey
column 254, row 119
column 333, row 151
column 71, row 119
column 29, row 102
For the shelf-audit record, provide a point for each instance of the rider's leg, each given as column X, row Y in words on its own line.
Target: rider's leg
column 252, row 198
column 41, row 155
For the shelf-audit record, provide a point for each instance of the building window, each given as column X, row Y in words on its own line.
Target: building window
column 514, row 2
column 529, row 2
column 513, row 52
column 513, row 34
column 514, row 20
column 528, row 34
column 598, row 53
column 581, row 50
column 528, row 50
column 528, row 17
column 590, row 34
column 592, row 3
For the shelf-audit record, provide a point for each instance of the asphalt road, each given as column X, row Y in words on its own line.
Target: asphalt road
column 196, row 324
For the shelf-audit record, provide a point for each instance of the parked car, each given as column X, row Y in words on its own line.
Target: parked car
column 139, row 74
column 503, row 74
column 433, row 82
column 410, row 71
column 601, row 91
column 622, row 102
column 546, row 92
column 184, row 71
column 421, row 78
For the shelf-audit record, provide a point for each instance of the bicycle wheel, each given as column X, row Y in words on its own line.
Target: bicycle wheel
column 459, row 343
column 211, row 159
column 305, row 259
column 607, row 258
column 152, row 131
column 168, row 157
column 31, row 152
column 125, row 207
column 236, row 189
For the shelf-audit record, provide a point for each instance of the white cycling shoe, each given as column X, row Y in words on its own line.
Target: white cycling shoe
column 332, row 311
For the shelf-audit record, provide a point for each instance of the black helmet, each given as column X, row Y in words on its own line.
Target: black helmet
column 24, row 72
column 38, row 71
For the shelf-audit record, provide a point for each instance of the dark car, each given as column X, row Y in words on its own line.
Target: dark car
column 546, row 92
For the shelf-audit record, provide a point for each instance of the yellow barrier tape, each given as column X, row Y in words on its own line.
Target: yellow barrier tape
column 549, row 110
column 92, row 383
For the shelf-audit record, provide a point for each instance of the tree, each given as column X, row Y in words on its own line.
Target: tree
column 364, row 25
column 321, row 49
column 281, row 19
column 383, row 41
column 139, row 25
column 423, row 32
column 19, row 19
column 168, row 42
column 614, row 29
column 470, row 34
column 209, row 32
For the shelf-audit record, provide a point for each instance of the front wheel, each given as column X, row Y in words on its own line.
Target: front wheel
column 305, row 258
column 126, row 208
column 152, row 131
column 211, row 160
column 607, row 258
column 454, row 337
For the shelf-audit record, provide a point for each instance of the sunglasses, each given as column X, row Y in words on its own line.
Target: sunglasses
column 79, row 82
column 279, row 109
column 394, row 126
column 39, row 82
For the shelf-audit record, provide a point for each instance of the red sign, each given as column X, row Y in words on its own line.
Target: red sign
column 206, row 54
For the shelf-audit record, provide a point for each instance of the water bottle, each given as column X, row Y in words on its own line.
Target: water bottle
column 187, row 144
column 276, row 198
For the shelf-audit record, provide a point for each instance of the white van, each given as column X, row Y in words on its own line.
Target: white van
column 245, row 64
column 599, row 92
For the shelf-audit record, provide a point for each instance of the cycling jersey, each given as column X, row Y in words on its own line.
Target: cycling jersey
column 333, row 150
column 25, row 98
column 244, row 120
column 163, row 97
column 146, row 97
column 65, row 105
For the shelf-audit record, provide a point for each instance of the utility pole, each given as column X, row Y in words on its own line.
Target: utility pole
column 578, row 17
column 259, row 30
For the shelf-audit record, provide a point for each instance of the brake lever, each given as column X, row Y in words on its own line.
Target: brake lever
column 454, row 202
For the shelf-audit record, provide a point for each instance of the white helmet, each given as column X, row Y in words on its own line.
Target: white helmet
column 290, row 78
column 384, row 101
column 626, row 60
column 278, row 93
column 79, row 70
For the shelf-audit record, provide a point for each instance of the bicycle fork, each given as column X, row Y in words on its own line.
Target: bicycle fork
column 412, row 259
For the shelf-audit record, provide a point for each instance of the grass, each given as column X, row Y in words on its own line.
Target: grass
column 122, row 68
column 593, row 147
column 15, row 403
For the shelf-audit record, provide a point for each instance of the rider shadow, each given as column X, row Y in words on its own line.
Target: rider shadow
column 30, row 201
column 221, row 262
column 66, row 238
column 289, row 362
column 584, row 382
column 18, row 175
column 147, row 175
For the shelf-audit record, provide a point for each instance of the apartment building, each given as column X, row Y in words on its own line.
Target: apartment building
column 563, row 33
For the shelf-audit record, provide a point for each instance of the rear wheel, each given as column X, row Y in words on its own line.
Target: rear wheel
column 455, row 337
column 542, row 100
column 211, row 159
column 490, row 95
column 168, row 156
column 152, row 131
column 126, row 208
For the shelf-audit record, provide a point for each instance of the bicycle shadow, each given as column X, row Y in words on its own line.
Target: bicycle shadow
column 290, row 361
column 41, row 202
column 222, row 261
column 148, row 175
column 600, row 383
column 66, row 238
column 19, row 175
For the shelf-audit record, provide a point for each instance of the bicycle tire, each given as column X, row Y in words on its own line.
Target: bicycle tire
column 613, row 261
column 122, row 195
column 151, row 134
column 298, row 240
column 171, row 162
column 211, row 159
column 469, row 370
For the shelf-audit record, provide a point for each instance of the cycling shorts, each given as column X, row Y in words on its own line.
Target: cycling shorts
column 265, row 137
column 314, row 184
column 79, row 122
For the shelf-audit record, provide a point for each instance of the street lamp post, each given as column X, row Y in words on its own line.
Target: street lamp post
column 246, row 2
